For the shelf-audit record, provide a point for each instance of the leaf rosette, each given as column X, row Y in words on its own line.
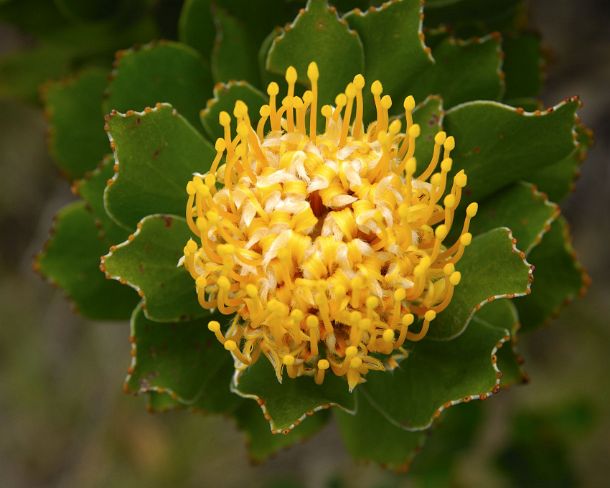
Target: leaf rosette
column 391, row 316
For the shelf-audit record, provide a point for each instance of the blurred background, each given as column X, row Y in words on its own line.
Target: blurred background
column 65, row 421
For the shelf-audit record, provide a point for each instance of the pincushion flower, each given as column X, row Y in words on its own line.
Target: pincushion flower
column 328, row 242
column 321, row 244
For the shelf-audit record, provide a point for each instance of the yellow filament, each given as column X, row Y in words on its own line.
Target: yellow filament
column 429, row 316
column 272, row 90
column 358, row 127
column 323, row 365
column 350, row 93
column 291, row 78
column 313, row 75
column 376, row 90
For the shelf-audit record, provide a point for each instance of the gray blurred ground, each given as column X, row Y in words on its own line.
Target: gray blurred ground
column 65, row 422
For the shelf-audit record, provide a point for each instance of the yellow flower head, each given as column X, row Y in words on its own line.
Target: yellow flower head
column 326, row 245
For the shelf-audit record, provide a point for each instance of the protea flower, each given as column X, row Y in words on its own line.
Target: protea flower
column 324, row 246
column 329, row 228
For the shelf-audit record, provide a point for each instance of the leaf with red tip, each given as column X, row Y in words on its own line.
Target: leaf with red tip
column 91, row 189
column 166, row 72
column 492, row 268
column 289, row 402
column 497, row 144
column 225, row 96
column 182, row 360
column 262, row 443
column 436, row 375
column 559, row 278
column 317, row 34
column 557, row 180
column 71, row 259
column 76, row 137
column 503, row 314
column 521, row 208
column 148, row 262
column 157, row 152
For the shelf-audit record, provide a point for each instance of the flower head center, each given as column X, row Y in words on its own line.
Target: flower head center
column 325, row 244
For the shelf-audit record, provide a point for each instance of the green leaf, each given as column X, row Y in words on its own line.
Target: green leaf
column 451, row 437
column 464, row 71
column 161, row 402
column 558, row 279
column 527, row 104
column 317, row 34
column 502, row 314
column 370, row 436
column 91, row 190
column 262, row 443
column 157, row 152
column 436, row 375
column 166, row 72
column 497, row 145
column 429, row 115
column 539, row 450
column 234, row 56
column 557, row 180
column 289, row 402
column 62, row 45
column 18, row 13
column 77, row 140
column 520, row 207
column 394, row 51
column 148, row 262
column 196, row 26
column 262, row 16
column 71, row 260
column 225, row 96
column 510, row 364
column 182, row 360
column 492, row 267
column 90, row 10
column 263, row 51
column 347, row 5
column 468, row 18
column 23, row 72
column 522, row 65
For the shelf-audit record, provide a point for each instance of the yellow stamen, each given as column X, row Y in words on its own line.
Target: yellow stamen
column 313, row 74
column 350, row 93
column 231, row 345
column 429, row 316
column 272, row 90
column 376, row 90
column 291, row 78
column 323, row 365
column 358, row 126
